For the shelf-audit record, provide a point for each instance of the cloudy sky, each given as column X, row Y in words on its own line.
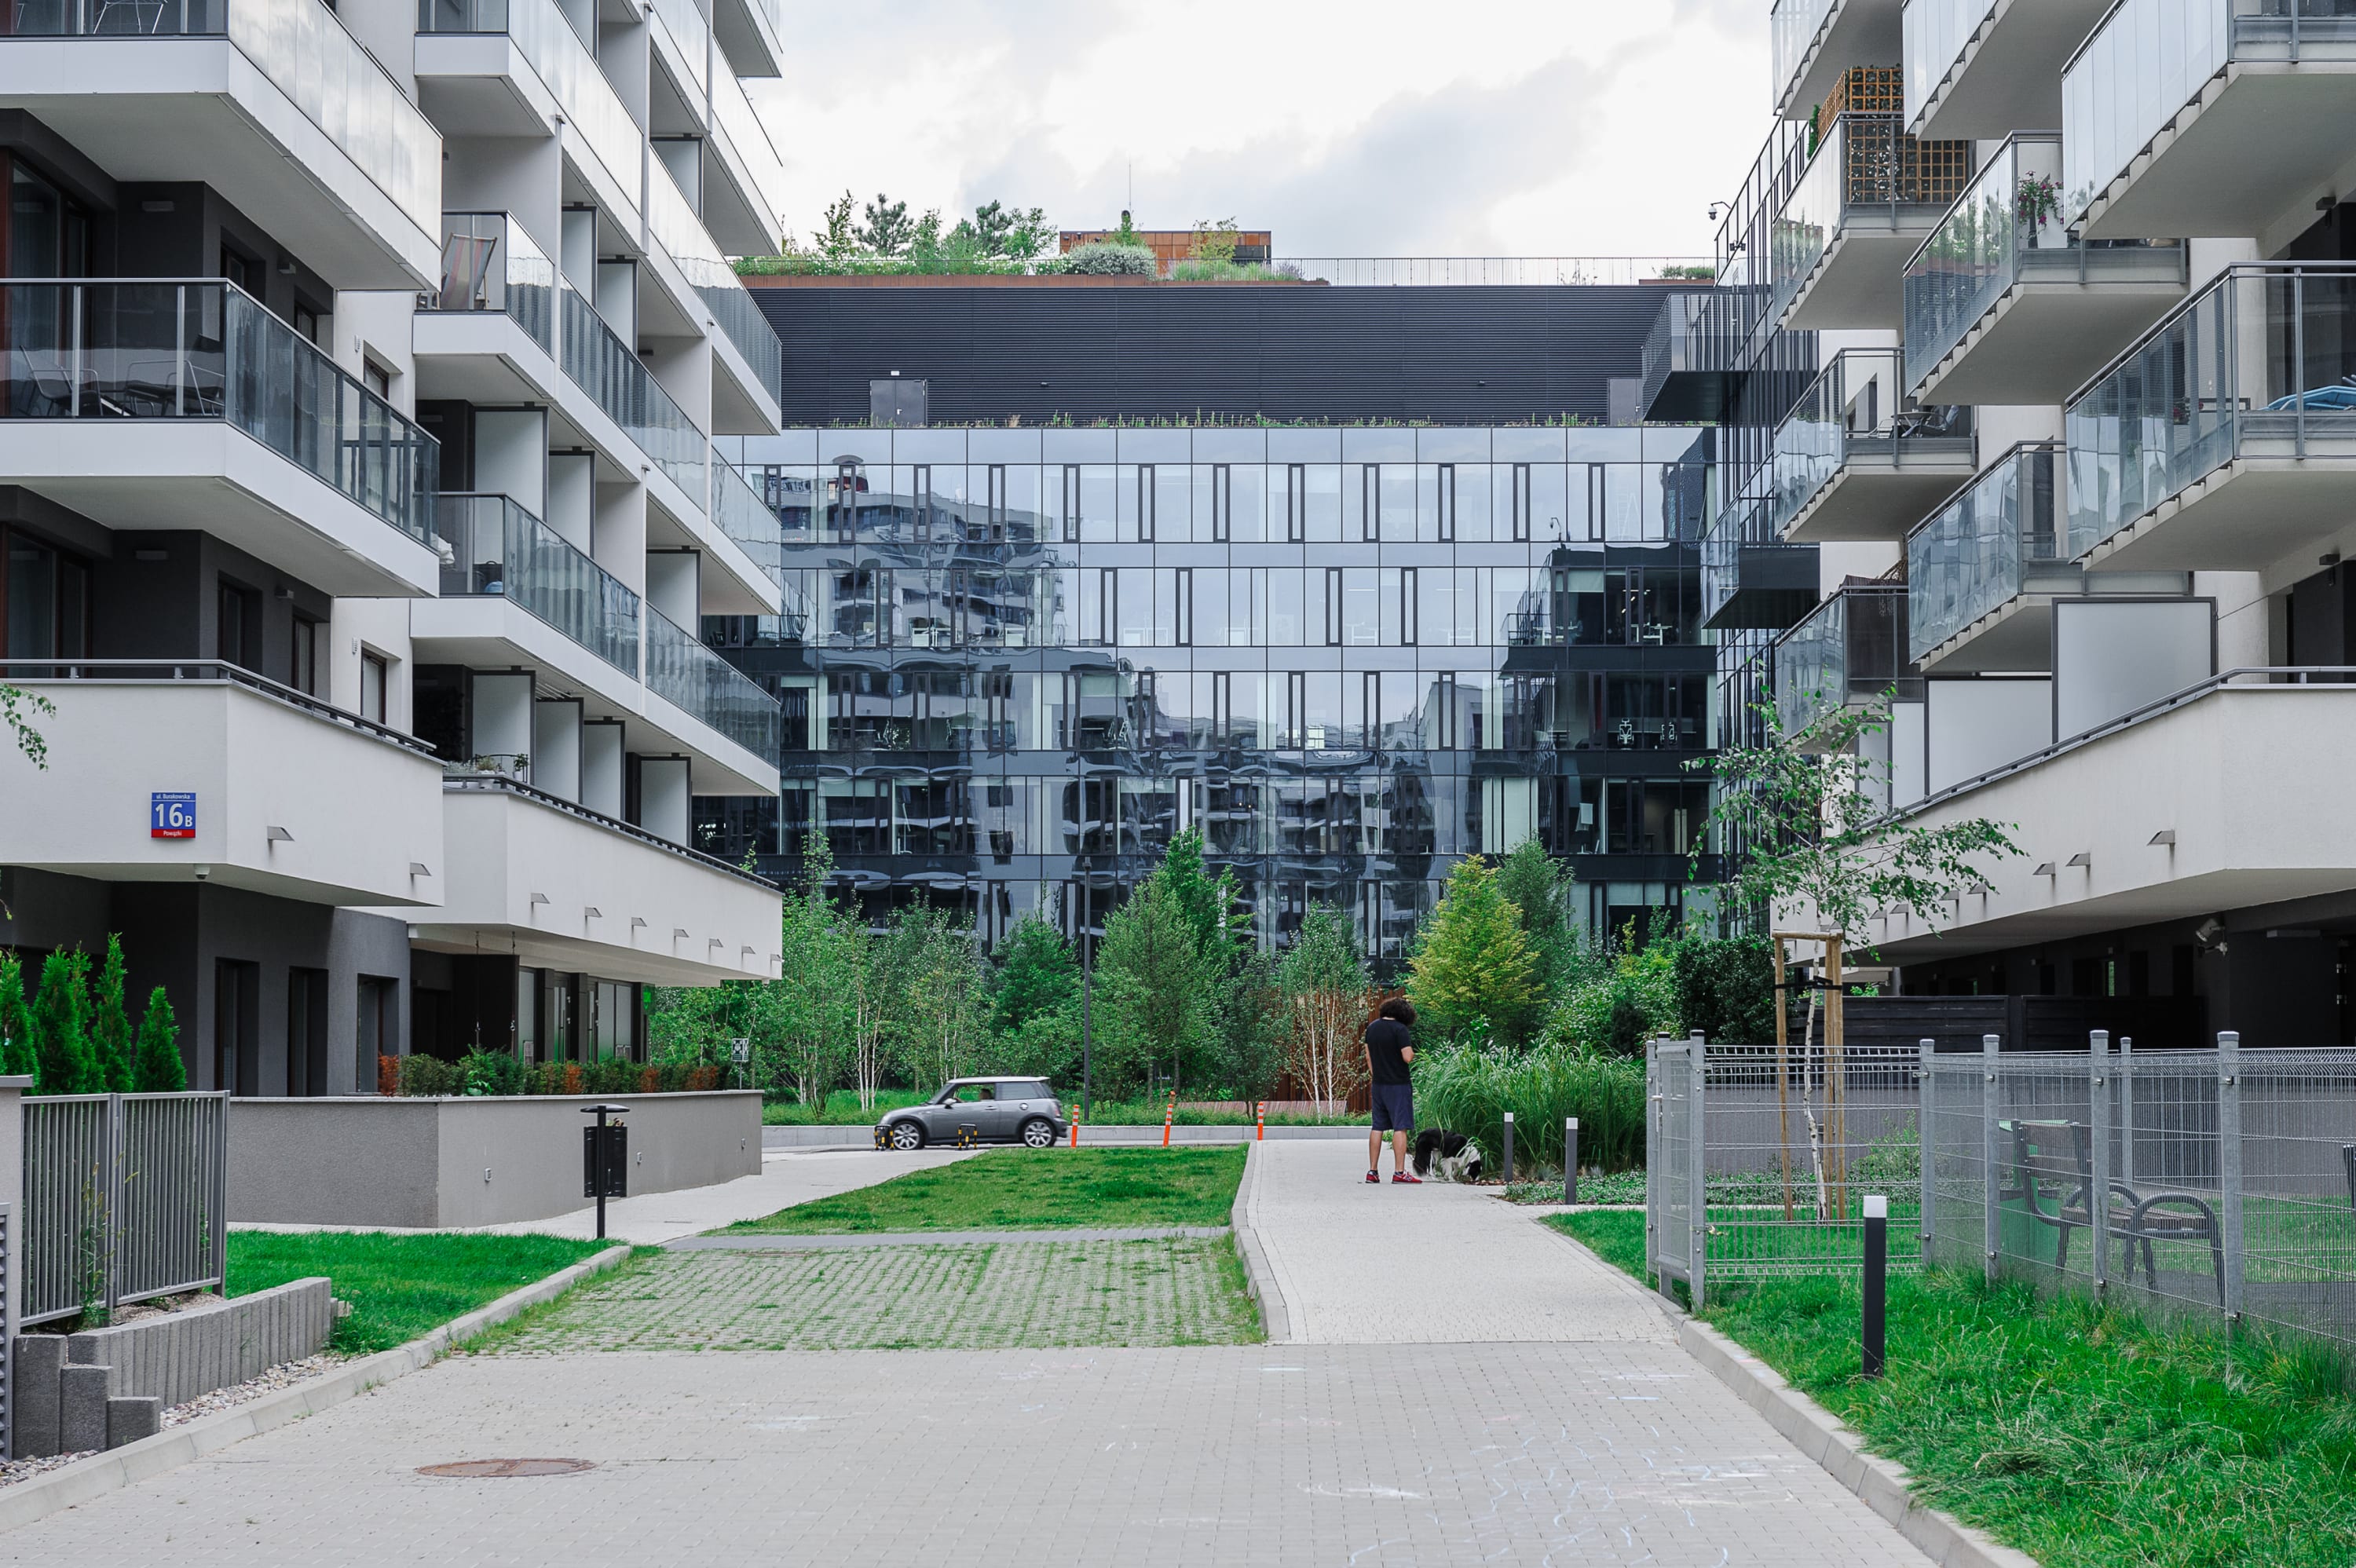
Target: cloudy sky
column 1382, row 128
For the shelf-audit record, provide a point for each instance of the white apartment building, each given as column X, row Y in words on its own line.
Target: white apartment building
column 2081, row 463
column 362, row 365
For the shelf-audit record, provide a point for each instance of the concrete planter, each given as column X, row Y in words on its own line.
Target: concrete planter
column 436, row 1164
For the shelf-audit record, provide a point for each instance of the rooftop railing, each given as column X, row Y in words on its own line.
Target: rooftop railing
column 1978, row 553
column 306, row 53
column 2006, row 229
column 701, row 684
column 1425, row 272
column 602, row 366
column 567, row 65
column 2266, row 354
column 205, row 349
column 2150, row 58
column 1854, row 409
column 499, row 549
column 679, row 231
column 490, row 263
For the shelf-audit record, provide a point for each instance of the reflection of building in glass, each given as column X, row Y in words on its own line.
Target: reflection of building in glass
column 1014, row 662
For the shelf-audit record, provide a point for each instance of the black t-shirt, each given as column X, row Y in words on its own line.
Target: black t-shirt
column 1386, row 1038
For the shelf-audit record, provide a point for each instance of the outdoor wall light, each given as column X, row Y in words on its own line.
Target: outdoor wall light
column 420, row 868
column 591, row 912
column 637, row 921
column 278, row 836
column 2044, row 869
column 2082, row 860
column 678, row 932
column 2164, row 840
column 539, row 898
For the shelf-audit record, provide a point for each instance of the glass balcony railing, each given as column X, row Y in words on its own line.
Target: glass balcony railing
column 740, row 130
column 489, row 262
column 2263, row 360
column 2151, row 57
column 1864, row 166
column 700, row 683
column 1855, row 410
column 602, row 364
column 2005, row 230
column 306, row 53
column 1850, row 651
column 1794, row 26
column 1976, row 553
column 1750, row 577
column 567, row 65
column 499, row 549
column 692, row 33
column 679, row 231
column 737, row 510
column 1694, row 352
column 1937, row 33
column 205, row 349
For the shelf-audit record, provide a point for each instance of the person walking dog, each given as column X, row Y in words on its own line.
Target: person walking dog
column 1390, row 1051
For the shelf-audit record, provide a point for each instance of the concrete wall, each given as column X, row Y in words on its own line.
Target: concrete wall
column 436, row 1163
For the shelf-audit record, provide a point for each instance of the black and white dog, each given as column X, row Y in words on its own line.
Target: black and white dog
column 1452, row 1156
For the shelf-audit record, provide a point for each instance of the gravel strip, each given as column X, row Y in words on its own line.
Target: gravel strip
column 286, row 1374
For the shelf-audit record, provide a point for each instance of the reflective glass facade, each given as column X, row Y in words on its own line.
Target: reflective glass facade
column 1013, row 662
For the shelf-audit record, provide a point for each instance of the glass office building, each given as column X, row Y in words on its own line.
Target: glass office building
column 1012, row 663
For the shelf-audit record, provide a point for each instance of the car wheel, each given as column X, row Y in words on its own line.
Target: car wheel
column 1038, row 1134
column 908, row 1136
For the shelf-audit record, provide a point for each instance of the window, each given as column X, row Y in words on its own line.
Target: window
column 974, row 1093
column 372, row 678
column 308, row 322
column 43, row 600
column 920, row 501
column 303, row 660
column 1521, row 503
column 375, row 1030
column 377, row 379
column 239, row 269
column 1296, row 502
column 237, row 625
column 1445, row 499
column 49, row 237
column 1145, row 497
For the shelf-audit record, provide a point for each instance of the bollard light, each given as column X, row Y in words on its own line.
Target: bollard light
column 1876, row 1268
column 1571, row 1159
column 1509, row 1148
column 605, row 1159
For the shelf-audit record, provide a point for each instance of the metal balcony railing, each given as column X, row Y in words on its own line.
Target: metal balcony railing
column 306, row 53
column 700, row 683
column 499, row 549
column 1977, row 552
column 169, row 348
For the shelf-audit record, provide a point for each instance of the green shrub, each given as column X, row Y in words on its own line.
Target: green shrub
column 1726, row 988
column 490, row 1072
column 156, row 1064
column 1632, row 999
column 423, row 1076
column 1467, row 1090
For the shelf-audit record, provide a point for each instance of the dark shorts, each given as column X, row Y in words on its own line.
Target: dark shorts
column 1393, row 1108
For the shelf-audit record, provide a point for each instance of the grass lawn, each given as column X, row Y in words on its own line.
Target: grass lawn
column 399, row 1286
column 2083, row 1435
column 842, row 1110
column 1034, row 1189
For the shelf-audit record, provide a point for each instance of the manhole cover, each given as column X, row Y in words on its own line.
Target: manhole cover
column 474, row 1469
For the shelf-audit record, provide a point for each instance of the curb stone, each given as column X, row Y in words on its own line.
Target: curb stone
column 1880, row 1485
column 1274, row 1322
column 94, row 1477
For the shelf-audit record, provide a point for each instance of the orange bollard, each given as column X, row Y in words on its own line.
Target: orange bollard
column 1168, row 1116
column 1262, row 1136
column 1076, row 1132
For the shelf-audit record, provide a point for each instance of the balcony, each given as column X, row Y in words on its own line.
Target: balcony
column 2241, row 119
column 270, row 103
column 292, row 797
column 1749, row 578
column 744, row 186
column 706, row 688
column 605, row 367
column 745, row 352
column 2226, row 439
column 1850, row 651
column 142, row 402
column 1979, row 69
column 1816, row 40
column 1869, row 198
column 568, row 888
column 748, row 32
column 1856, row 461
column 2007, row 304
column 739, row 513
column 499, row 550
column 1983, row 570
column 1693, row 357
column 2245, row 774
column 517, row 67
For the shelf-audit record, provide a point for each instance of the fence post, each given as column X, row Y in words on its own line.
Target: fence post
column 1697, row 1173
column 2126, row 1109
column 1927, row 1151
column 1652, row 1150
column 2098, row 1134
column 2229, row 1166
column 1991, row 1172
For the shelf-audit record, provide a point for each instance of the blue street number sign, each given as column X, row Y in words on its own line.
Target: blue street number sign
column 171, row 816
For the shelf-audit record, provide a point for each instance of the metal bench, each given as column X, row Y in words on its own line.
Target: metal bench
column 2059, row 1157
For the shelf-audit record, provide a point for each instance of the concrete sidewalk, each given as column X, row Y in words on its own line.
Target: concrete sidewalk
column 779, row 1138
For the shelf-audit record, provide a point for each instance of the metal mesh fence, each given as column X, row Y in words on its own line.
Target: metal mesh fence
column 124, row 1199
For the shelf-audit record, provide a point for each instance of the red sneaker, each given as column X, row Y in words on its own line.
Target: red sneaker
column 1404, row 1180
column 1373, row 1179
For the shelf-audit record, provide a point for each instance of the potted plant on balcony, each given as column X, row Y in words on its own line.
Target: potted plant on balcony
column 2036, row 201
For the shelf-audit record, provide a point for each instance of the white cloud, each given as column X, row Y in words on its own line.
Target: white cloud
column 1496, row 127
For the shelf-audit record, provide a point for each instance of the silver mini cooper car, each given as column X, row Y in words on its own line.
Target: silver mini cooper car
column 978, row 1110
